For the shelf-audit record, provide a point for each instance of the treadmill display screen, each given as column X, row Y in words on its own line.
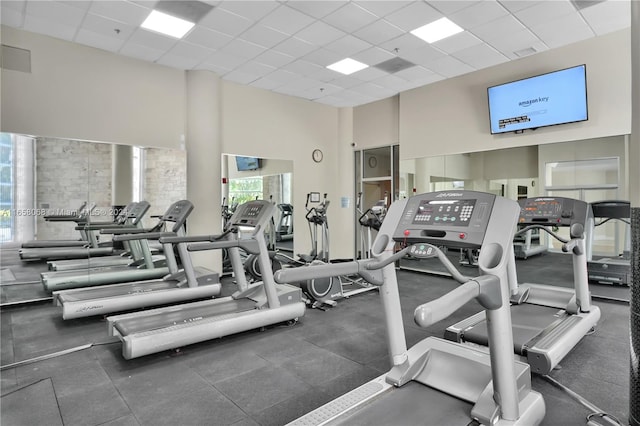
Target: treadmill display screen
column 543, row 208
column 252, row 210
column 444, row 212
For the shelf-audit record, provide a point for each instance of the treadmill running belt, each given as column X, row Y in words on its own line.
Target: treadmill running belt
column 529, row 321
column 411, row 404
column 181, row 315
column 116, row 290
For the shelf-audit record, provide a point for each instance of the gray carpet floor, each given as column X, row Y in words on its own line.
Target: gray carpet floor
column 266, row 377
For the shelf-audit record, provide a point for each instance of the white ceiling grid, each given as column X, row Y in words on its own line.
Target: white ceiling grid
column 285, row 46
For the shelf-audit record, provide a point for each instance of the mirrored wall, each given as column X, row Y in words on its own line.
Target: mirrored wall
column 248, row 178
column 42, row 175
column 590, row 170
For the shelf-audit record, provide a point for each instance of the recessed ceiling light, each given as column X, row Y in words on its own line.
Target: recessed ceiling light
column 167, row 24
column 437, row 30
column 347, row 66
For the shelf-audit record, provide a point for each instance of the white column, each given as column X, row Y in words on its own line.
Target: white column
column 203, row 144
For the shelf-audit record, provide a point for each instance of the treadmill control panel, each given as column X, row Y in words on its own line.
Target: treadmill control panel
column 556, row 211
column 446, row 218
column 178, row 213
column 253, row 213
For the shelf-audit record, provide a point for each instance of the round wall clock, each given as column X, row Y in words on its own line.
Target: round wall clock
column 317, row 155
column 373, row 162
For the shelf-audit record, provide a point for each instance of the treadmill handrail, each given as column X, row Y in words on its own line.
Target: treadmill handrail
column 251, row 246
column 545, row 229
column 196, row 238
column 142, row 235
column 485, row 288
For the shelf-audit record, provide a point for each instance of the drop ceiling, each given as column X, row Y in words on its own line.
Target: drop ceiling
column 285, row 46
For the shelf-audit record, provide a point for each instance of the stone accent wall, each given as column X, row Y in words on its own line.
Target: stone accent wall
column 165, row 179
column 634, row 325
column 67, row 174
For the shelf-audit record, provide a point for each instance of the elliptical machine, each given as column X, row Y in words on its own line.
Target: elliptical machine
column 370, row 220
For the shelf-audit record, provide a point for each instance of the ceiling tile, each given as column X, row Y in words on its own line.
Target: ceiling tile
column 189, row 50
column 323, row 74
column 206, row 37
column 382, row 8
column 281, row 76
column 252, row 10
column 286, row 20
column 404, row 43
column 373, row 90
column 392, row 82
column 373, row 55
column 294, row 47
column 348, row 45
column 302, row 84
column 350, row 18
column 121, row 11
column 141, row 52
column 225, row 22
column 457, row 42
column 273, row 58
column 240, row 77
column 255, row 68
column 264, row 36
column 498, row 28
column 53, row 12
column 11, row 17
column 413, row 16
column 449, row 66
column 107, row 27
column 479, row 14
column 378, row 32
column 225, row 60
column 609, row 16
column 517, row 41
column 345, row 81
column 416, row 73
column 565, row 30
column 545, row 11
column 243, row 48
column 99, row 41
column 316, row 8
column 320, row 33
column 206, row 65
column 481, row 56
column 153, row 40
column 517, row 5
column 176, row 61
column 448, row 7
column 302, row 67
column 334, row 101
column 264, row 83
column 369, row 74
column 49, row 27
column 323, row 57
column 423, row 55
column 83, row 5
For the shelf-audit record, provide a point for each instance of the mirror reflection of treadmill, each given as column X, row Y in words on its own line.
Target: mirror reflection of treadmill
column 609, row 270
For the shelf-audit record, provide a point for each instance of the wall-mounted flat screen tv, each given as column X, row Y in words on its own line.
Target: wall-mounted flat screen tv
column 557, row 97
column 247, row 163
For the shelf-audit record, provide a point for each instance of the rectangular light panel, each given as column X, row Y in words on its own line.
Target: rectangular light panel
column 167, row 24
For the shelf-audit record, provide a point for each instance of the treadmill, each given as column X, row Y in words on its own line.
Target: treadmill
column 176, row 215
column 254, row 305
column 179, row 285
column 89, row 248
column 78, row 216
column 527, row 244
column 548, row 321
column 611, row 270
column 131, row 216
column 438, row 382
